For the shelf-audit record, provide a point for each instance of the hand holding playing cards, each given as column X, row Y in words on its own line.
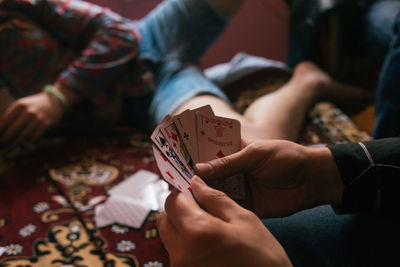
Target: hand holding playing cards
column 283, row 177
column 215, row 232
column 195, row 136
column 27, row 118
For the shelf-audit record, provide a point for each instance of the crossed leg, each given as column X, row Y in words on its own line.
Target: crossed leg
column 280, row 114
column 181, row 85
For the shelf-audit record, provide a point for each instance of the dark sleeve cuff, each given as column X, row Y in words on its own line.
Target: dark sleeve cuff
column 351, row 161
column 371, row 173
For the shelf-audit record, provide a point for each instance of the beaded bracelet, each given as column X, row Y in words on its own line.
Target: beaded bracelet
column 54, row 91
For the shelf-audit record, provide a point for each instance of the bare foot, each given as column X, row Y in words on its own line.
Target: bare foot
column 312, row 77
column 350, row 98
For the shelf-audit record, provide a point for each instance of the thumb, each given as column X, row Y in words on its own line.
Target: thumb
column 213, row 201
column 228, row 166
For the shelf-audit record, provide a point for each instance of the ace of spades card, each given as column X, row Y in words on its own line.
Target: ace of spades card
column 194, row 136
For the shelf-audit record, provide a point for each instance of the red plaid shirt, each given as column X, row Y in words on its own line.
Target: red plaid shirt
column 87, row 48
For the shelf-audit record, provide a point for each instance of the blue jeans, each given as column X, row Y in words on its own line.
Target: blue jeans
column 318, row 237
column 383, row 33
column 174, row 36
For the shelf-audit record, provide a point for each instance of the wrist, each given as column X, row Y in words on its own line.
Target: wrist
column 69, row 94
column 65, row 96
column 57, row 94
column 327, row 186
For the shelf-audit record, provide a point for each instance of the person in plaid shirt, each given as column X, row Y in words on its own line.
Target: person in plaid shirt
column 58, row 53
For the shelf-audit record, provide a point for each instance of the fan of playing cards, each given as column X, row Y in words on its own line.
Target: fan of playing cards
column 195, row 136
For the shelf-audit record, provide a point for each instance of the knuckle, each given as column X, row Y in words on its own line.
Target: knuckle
column 197, row 231
column 247, row 215
column 20, row 102
column 224, row 163
column 31, row 112
column 258, row 152
column 194, row 233
column 216, row 195
column 255, row 148
column 22, row 106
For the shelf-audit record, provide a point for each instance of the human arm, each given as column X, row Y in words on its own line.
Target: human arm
column 102, row 41
column 285, row 177
column 371, row 173
column 27, row 118
column 215, row 232
column 94, row 44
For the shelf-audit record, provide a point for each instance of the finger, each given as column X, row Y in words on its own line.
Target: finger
column 5, row 117
column 181, row 209
column 213, row 201
column 230, row 165
column 166, row 230
column 8, row 116
column 26, row 133
column 15, row 126
column 245, row 142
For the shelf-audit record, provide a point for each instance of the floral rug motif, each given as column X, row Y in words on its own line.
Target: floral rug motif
column 47, row 199
column 48, row 192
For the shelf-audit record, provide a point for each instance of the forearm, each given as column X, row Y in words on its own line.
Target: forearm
column 326, row 186
column 101, row 41
column 61, row 96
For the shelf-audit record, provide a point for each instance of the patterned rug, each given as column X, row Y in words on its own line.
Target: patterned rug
column 48, row 192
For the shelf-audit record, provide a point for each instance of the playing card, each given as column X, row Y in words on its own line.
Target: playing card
column 166, row 118
column 186, row 125
column 196, row 136
column 5, row 99
column 170, row 174
column 134, row 184
column 174, row 139
column 122, row 210
column 130, row 201
column 2, row 250
column 233, row 186
column 218, row 137
column 144, row 187
column 161, row 142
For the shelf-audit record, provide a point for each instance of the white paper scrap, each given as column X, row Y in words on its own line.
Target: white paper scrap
column 122, row 210
column 2, row 250
column 131, row 201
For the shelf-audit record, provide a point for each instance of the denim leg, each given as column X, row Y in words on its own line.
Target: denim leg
column 388, row 88
column 174, row 90
column 318, row 237
column 173, row 38
column 177, row 32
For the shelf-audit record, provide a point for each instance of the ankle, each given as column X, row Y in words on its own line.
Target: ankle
column 311, row 75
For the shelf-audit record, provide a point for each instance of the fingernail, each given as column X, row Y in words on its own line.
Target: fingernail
column 204, row 168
